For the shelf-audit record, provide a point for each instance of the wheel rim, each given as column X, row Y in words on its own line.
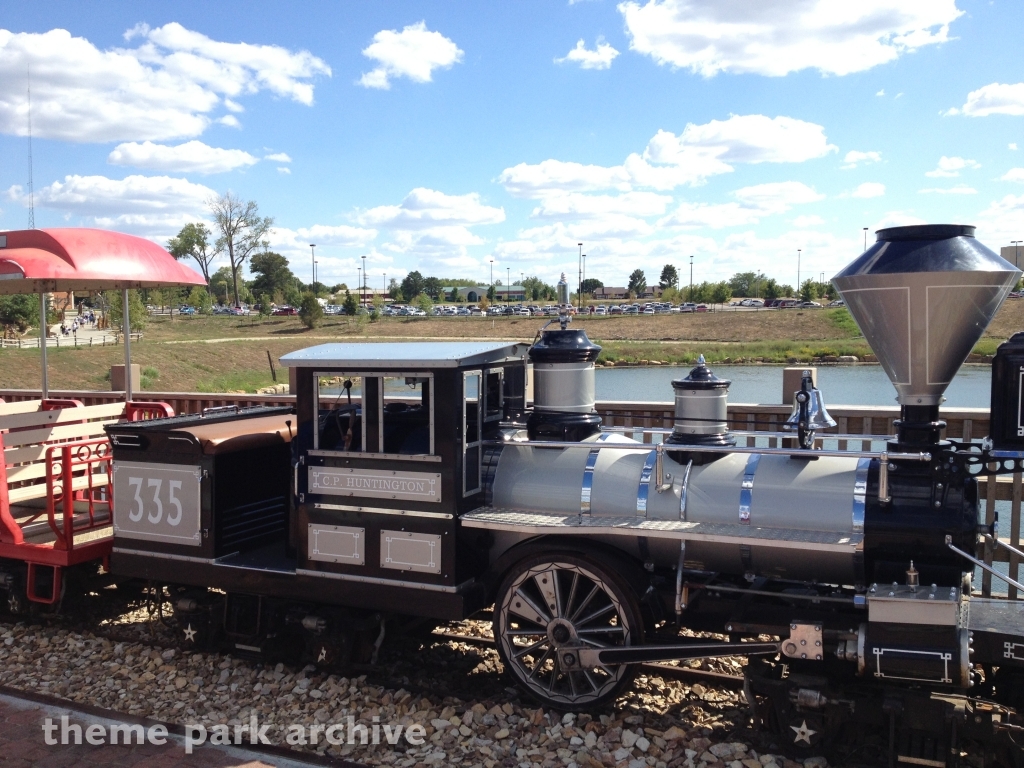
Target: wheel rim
column 554, row 604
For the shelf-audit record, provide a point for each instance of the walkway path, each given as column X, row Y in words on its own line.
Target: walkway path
column 22, row 744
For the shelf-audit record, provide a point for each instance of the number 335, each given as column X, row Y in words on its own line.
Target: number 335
column 157, row 514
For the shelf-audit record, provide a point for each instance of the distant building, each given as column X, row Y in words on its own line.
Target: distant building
column 1013, row 254
column 474, row 293
column 602, row 294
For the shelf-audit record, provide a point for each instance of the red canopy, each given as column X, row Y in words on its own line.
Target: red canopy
column 72, row 259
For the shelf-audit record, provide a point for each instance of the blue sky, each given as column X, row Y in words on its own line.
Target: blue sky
column 439, row 136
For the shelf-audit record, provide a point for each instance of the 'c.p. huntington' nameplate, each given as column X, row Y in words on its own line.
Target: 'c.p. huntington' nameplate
column 375, row 483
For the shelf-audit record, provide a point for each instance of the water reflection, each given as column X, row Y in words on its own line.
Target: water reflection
column 840, row 384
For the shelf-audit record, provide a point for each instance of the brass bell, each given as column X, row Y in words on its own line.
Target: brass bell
column 809, row 412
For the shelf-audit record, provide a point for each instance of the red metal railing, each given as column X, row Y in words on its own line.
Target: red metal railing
column 78, row 472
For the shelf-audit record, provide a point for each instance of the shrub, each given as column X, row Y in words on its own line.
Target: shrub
column 310, row 311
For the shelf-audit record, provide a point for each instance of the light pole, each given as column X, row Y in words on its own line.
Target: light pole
column 690, row 297
column 492, row 277
column 312, row 257
column 579, row 287
column 385, row 292
column 362, row 291
column 798, row 270
column 1016, row 253
column 865, row 238
column 359, row 282
column 583, row 280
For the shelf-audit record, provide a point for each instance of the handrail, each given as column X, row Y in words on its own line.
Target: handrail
column 983, row 566
column 922, row 456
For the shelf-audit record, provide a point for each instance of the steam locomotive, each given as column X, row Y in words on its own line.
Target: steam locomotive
column 423, row 480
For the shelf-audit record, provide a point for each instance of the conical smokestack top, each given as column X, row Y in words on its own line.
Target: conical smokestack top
column 922, row 296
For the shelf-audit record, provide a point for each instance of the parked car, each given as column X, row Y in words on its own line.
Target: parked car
column 184, row 310
column 688, row 306
column 285, row 310
column 841, row 303
column 810, row 305
column 701, row 308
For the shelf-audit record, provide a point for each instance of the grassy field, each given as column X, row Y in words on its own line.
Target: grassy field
column 223, row 354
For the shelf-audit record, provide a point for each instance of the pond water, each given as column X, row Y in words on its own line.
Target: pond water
column 840, row 384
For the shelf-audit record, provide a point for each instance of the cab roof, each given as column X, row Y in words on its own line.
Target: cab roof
column 406, row 354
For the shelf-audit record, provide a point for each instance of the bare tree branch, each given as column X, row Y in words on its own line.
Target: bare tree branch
column 241, row 231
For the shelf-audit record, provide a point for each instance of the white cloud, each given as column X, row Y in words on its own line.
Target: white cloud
column 1000, row 222
column 881, row 92
column 153, row 206
column 190, row 157
column 896, row 219
column 415, row 52
column 671, row 160
column 1014, row 174
column 553, row 176
column 234, row 106
column 950, row 167
column 599, row 58
column 1012, row 145
column 278, row 157
column 808, row 221
column 229, row 120
column 993, row 99
column 778, row 37
column 294, row 243
column 777, row 197
column 755, row 203
column 167, row 87
column 284, row 169
column 854, row 158
column 576, row 206
column 868, row 189
column 959, row 189
column 742, row 139
column 427, row 208
column 432, row 225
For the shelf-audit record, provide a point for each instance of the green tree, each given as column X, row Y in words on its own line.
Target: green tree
column 351, row 305
column 770, row 290
column 721, row 292
column 264, row 306
column 637, row 282
column 19, row 311
column 220, row 284
column 809, row 290
column 433, row 287
column 310, row 311
column 241, row 231
column 491, row 293
column 271, row 273
column 193, row 242
column 424, row 302
column 669, row 277
column 412, row 284
column 378, row 304
column 137, row 314
column 743, row 283
column 201, row 300
column 453, row 296
column 590, row 285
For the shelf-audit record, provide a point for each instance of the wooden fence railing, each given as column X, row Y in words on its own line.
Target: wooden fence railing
column 1003, row 496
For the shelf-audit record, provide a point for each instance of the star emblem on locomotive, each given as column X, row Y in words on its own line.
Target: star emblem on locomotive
column 190, row 634
column 803, row 733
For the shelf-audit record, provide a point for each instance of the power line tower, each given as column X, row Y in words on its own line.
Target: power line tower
column 31, row 188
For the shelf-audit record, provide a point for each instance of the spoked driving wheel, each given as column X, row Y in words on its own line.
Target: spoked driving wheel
column 550, row 601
